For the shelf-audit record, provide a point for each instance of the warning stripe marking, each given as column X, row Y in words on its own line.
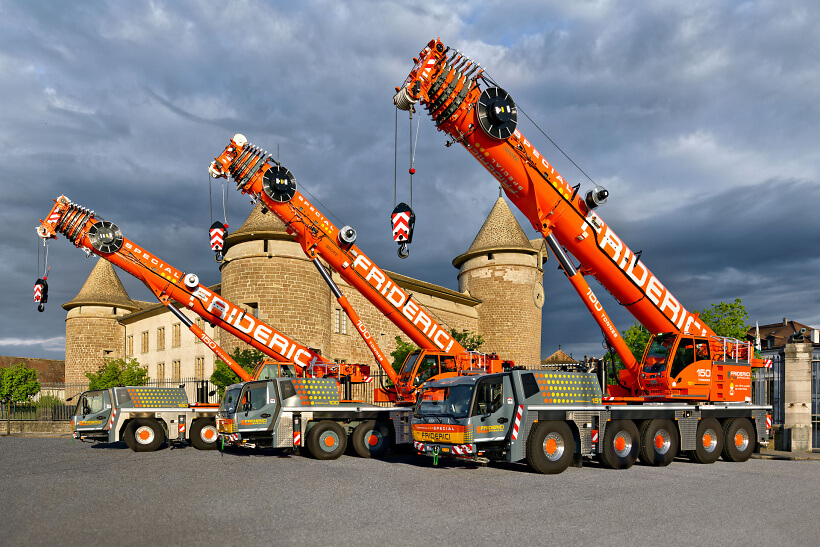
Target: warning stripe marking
column 517, row 423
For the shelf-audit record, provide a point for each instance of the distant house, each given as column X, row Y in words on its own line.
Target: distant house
column 558, row 360
column 776, row 335
column 49, row 371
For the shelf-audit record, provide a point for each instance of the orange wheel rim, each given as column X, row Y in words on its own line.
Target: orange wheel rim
column 620, row 444
column 550, row 446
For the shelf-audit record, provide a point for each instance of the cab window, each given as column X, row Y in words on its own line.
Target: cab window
column 256, row 395
column 427, row 369
column 684, row 356
column 90, row 403
column 489, row 397
column 448, row 364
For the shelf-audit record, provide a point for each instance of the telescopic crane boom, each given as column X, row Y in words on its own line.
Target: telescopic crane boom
column 261, row 176
column 90, row 232
column 484, row 122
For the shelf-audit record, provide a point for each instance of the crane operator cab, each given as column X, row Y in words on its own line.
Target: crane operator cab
column 676, row 364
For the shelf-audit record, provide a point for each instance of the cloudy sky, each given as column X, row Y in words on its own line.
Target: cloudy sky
column 702, row 119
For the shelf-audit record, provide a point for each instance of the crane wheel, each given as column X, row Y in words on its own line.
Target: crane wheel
column 621, row 445
column 660, row 442
column 203, row 434
column 371, row 439
column 144, row 435
column 738, row 440
column 709, row 442
column 327, row 440
column 550, row 447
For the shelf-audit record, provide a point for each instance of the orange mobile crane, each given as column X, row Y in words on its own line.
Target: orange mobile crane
column 258, row 174
column 90, row 232
column 484, row 121
column 691, row 390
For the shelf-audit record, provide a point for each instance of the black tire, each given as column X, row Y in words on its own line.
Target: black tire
column 660, row 442
column 129, row 439
column 146, row 434
column 738, row 440
column 550, row 447
column 327, row 440
column 621, row 444
column 709, row 442
column 371, row 439
column 203, row 434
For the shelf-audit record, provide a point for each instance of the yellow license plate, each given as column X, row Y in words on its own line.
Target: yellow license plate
column 438, row 433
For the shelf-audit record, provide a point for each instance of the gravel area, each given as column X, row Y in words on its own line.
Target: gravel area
column 56, row 492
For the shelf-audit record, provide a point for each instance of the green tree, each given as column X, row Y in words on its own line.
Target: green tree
column 636, row 337
column 400, row 353
column 223, row 376
column 117, row 372
column 17, row 384
column 468, row 339
column 727, row 319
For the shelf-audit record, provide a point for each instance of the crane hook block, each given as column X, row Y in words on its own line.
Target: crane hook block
column 41, row 293
column 403, row 220
column 217, row 232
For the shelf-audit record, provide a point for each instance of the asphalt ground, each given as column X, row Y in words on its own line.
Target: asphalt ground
column 56, row 493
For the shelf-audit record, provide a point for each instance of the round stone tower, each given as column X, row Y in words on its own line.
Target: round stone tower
column 266, row 272
column 92, row 331
column 503, row 269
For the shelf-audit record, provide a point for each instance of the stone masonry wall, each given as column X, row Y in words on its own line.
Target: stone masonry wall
column 509, row 319
column 291, row 295
column 90, row 332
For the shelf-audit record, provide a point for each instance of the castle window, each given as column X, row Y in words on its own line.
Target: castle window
column 175, row 366
column 160, row 338
column 199, row 368
column 252, row 308
column 160, row 371
column 339, row 322
column 201, row 324
column 144, row 342
column 129, row 345
column 175, row 328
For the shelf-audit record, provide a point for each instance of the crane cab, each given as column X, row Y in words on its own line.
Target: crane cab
column 696, row 367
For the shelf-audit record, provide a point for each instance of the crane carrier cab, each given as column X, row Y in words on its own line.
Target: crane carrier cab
column 144, row 417
column 307, row 413
column 551, row 419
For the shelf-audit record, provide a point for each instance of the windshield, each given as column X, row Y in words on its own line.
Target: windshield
column 229, row 400
column 409, row 363
column 658, row 352
column 446, row 401
column 273, row 370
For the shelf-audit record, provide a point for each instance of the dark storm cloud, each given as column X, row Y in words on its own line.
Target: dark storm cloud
column 701, row 119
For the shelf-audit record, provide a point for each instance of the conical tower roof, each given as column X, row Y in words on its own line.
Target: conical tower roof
column 258, row 225
column 500, row 232
column 102, row 288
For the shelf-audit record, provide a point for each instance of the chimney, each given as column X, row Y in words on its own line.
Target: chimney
column 785, row 322
column 815, row 336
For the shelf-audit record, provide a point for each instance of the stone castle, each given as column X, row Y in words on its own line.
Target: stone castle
column 500, row 296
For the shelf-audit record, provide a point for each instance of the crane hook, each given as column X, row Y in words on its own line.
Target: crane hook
column 403, row 251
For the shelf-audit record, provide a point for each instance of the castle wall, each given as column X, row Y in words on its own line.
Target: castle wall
column 348, row 345
column 164, row 347
column 91, row 333
column 508, row 317
column 284, row 288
